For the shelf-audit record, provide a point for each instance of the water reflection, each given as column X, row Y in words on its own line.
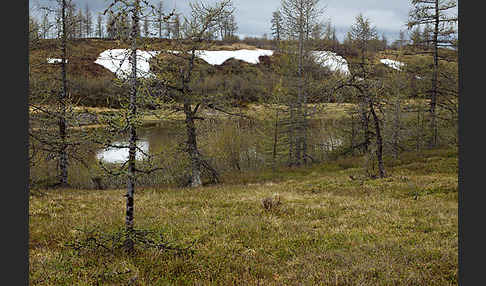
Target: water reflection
column 120, row 155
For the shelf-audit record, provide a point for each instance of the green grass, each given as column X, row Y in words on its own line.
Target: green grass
column 328, row 229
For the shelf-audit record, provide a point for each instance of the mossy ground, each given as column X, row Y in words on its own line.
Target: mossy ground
column 330, row 229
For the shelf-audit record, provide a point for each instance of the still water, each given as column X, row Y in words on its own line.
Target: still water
column 119, row 154
column 251, row 142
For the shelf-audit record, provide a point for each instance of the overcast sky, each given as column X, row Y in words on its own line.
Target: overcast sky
column 253, row 16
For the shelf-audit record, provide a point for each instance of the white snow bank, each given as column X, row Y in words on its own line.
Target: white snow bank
column 393, row 64
column 54, row 60
column 120, row 155
column 333, row 61
column 117, row 61
column 219, row 57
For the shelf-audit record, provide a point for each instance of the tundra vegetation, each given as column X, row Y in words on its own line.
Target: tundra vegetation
column 289, row 171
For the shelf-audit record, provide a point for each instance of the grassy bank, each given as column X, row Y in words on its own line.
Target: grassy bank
column 329, row 111
column 332, row 227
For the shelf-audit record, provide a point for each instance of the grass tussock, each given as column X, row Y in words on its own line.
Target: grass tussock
column 322, row 225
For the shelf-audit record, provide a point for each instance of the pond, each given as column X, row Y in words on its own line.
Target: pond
column 228, row 145
column 251, row 142
column 119, row 153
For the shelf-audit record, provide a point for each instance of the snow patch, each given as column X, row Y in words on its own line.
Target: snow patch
column 219, row 57
column 120, row 155
column 117, row 61
column 333, row 61
column 393, row 64
column 54, row 60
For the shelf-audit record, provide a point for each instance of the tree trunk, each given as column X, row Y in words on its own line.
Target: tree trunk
column 365, row 124
column 419, row 128
column 63, row 162
column 396, row 128
column 192, row 147
column 291, row 130
column 300, row 95
column 190, row 126
column 433, row 99
column 353, row 134
column 305, row 113
column 379, row 140
column 132, row 128
column 275, row 140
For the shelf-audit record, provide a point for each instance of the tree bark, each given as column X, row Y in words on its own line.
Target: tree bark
column 433, row 99
column 291, row 130
column 191, row 127
column 299, row 154
column 365, row 124
column 379, row 140
column 129, row 221
column 192, row 147
column 275, row 140
column 353, row 134
column 63, row 162
column 396, row 128
column 420, row 128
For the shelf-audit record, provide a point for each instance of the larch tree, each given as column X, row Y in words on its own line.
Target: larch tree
column 159, row 19
column 111, row 26
column 277, row 28
column 384, row 41
column 45, row 26
column 427, row 36
column 334, row 39
column 132, row 143
column 231, row 27
column 80, row 27
column 438, row 14
column 180, row 70
column 402, row 39
column 63, row 160
column 99, row 26
column 396, row 88
column 88, row 21
column 277, row 25
column 226, row 24
column 299, row 19
column 327, row 31
column 34, row 30
column 361, row 34
column 50, row 103
column 146, row 27
column 71, row 20
column 128, row 121
column 416, row 38
column 317, row 32
column 369, row 88
column 176, row 26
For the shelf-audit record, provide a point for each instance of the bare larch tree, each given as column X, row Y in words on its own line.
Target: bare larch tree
column 436, row 13
column 299, row 19
column 181, row 62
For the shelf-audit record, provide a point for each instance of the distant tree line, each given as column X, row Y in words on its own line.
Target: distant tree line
column 83, row 23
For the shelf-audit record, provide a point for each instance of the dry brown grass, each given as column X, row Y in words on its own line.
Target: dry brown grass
column 327, row 230
column 233, row 47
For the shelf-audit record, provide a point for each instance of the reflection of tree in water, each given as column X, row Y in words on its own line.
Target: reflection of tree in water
column 118, row 153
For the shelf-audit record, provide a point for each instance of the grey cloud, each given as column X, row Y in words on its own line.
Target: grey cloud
column 253, row 16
